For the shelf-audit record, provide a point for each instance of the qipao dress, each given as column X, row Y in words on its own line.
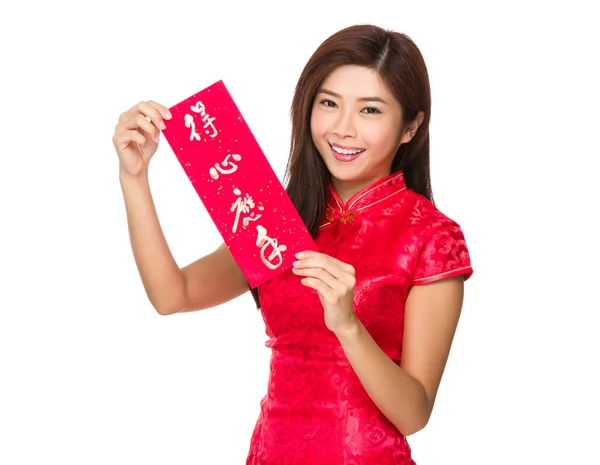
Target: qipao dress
column 316, row 411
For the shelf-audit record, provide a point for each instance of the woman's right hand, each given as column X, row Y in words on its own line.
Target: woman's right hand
column 137, row 134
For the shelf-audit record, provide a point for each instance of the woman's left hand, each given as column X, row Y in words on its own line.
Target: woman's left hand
column 334, row 281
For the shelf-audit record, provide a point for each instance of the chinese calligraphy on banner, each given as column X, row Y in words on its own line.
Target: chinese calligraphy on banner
column 235, row 182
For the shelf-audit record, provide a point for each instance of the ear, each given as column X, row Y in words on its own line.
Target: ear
column 412, row 128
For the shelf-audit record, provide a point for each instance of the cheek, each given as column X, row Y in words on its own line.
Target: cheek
column 317, row 124
column 383, row 139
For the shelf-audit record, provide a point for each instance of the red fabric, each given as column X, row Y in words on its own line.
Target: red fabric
column 316, row 411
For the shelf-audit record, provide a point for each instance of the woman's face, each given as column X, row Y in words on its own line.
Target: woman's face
column 356, row 125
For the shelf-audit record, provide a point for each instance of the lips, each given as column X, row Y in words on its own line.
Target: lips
column 349, row 153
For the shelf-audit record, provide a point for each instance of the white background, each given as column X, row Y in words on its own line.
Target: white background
column 91, row 374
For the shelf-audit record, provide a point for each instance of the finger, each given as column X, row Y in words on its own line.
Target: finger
column 152, row 113
column 164, row 111
column 317, row 285
column 346, row 267
column 342, row 279
column 321, row 275
column 122, row 139
column 144, row 126
column 317, row 255
column 321, row 262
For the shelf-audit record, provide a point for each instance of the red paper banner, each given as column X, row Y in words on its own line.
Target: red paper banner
column 235, row 182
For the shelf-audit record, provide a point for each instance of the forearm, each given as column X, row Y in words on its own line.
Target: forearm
column 162, row 279
column 400, row 397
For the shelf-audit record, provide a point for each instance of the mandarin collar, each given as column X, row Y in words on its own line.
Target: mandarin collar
column 336, row 211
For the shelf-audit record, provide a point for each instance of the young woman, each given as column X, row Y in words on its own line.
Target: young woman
column 360, row 332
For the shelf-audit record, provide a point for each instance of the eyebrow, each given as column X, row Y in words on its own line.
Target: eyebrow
column 361, row 99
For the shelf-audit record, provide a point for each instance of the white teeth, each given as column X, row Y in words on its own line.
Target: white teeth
column 346, row 151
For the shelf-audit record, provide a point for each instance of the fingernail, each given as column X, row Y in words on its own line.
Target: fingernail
column 296, row 263
column 167, row 114
column 162, row 125
column 299, row 255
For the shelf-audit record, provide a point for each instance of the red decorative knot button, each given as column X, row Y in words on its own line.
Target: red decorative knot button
column 348, row 217
column 344, row 218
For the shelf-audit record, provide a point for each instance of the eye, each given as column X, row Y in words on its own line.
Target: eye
column 371, row 111
column 328, row 103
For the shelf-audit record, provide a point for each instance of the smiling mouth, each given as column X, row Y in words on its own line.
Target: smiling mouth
column 345, row 152
column 345, row 155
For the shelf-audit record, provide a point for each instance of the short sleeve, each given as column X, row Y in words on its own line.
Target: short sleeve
column 443, row 255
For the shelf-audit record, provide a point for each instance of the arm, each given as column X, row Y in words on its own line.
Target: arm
column 406, row 394
column 209, row 281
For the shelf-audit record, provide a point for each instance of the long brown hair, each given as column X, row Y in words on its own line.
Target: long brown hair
column 400, row 65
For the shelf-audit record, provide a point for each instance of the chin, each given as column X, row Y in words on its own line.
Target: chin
column 350, row 178
column 347, row 170
column 348, row 174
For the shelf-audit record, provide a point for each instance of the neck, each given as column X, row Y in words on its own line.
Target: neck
column 346, row 189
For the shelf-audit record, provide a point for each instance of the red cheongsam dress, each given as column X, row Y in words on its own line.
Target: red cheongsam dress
column 316, row 411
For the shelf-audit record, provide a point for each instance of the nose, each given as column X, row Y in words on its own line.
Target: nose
column 344, row 125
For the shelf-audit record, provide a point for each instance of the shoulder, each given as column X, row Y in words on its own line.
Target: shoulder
column 438, row 239
column 424, row 217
